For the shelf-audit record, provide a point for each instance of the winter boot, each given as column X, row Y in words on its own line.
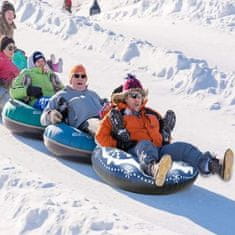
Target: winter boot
column 223, row 167
column 159, row 170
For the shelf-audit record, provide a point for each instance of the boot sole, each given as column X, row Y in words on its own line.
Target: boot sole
column 228, row 164
column 163, row 168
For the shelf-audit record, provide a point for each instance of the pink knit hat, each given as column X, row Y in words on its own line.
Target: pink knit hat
column 131, row 84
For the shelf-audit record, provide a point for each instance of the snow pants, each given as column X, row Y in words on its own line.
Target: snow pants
column 146, row 153
column 4, row 97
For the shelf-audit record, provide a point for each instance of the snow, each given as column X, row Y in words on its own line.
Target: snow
column 183, row 52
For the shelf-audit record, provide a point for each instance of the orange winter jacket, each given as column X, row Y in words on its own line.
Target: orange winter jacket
column 146, row 126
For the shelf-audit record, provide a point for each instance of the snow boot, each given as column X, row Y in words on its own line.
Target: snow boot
column 159, row 170
column 223, row 167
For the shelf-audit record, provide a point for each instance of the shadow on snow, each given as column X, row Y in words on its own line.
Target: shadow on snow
column 207, row 209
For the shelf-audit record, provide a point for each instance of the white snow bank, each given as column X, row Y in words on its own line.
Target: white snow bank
column 186, row 75
column 217, row 13
column 36, row 206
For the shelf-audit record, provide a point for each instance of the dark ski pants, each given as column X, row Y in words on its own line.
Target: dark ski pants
column 147, row 153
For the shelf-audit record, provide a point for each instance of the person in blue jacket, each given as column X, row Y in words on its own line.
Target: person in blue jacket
column 75, row 104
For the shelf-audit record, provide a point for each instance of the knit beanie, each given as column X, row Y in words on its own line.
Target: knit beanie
column 37, row 55
column 77, row 69
column 5, row 42
column 7, row 6
column 131, row 82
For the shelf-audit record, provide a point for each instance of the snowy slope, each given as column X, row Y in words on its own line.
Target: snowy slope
column 216, row 13
column 41, row 194
column 187, row 75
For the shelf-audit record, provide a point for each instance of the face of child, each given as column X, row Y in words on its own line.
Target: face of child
column 79, row 81
column 9, row 16
column 9, row 50
column 134, row 100
column 40, row 63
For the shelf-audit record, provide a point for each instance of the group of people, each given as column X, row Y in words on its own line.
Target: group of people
column 21, row 76
column 124, row 122
column 8, row 70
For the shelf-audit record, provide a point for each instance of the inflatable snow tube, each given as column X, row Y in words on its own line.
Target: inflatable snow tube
column 66, row 141
column 119, row 169
column 22, row 119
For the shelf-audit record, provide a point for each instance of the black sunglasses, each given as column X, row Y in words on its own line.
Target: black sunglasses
column 77, row 75
column 11, row 48
column 135, row 95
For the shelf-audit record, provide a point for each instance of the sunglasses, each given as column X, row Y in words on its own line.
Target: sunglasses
column 11, row 48
column 135, row 95
column 77, row 75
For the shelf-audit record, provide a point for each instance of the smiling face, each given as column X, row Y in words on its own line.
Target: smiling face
column 78, row 81
column 9, row 16
column 134, row 100
column 9, row 50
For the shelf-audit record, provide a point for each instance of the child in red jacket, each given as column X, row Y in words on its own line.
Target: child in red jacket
column 8, row 71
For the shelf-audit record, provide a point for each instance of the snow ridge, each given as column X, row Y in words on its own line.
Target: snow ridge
column 217, row 13
column 188, row 76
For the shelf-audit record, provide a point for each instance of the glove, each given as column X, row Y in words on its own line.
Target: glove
column 122, row 135
column 34, row 91
column 63, row 107
column 118, row 130
column 168, row 124
column 126, row 145
column 55, row 116
column 169, row 120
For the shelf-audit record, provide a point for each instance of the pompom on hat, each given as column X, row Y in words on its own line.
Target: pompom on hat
column 131, row 84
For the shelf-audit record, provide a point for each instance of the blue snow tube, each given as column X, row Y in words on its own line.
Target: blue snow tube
column 66, row 141
column 119, row 169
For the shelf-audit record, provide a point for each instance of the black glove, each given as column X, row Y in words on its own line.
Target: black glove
column 169, row 120
column 34, row 91
column 118, row 130
column 63, row 107
column 126, row 145
column 168, row 124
